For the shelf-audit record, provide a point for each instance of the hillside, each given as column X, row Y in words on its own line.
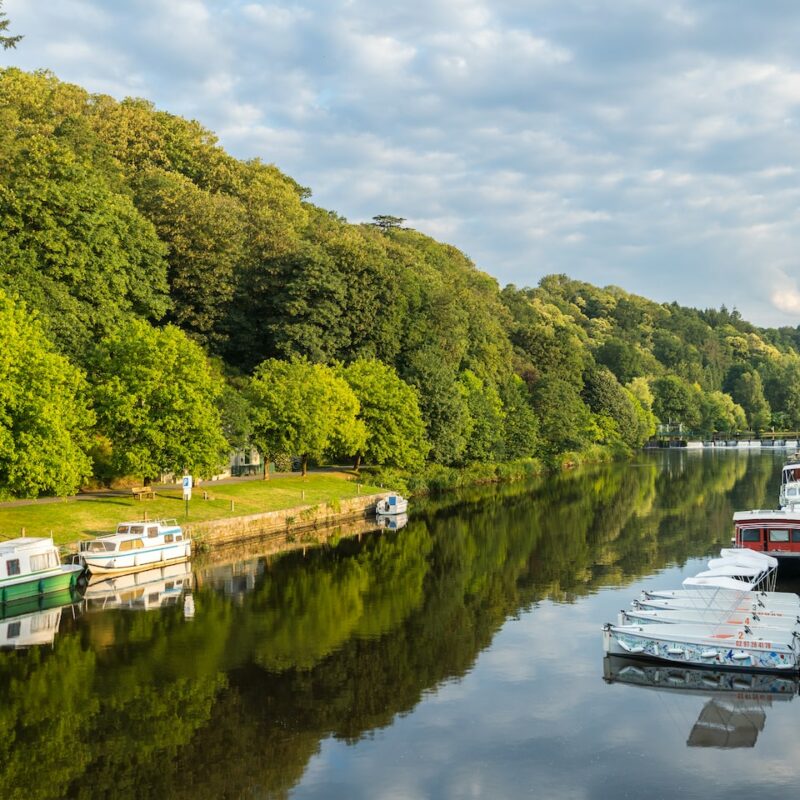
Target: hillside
column 187, row 302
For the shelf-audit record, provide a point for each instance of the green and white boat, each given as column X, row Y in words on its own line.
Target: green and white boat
column 30, row 567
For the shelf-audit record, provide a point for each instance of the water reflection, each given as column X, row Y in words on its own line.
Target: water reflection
column 736, row 703
column 34, row 622
column 332, row 647
column 139, row 591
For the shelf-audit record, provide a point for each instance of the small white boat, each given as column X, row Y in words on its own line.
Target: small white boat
column 391, row 505
column 136, row 546
column 672, row 616
column 706, row 645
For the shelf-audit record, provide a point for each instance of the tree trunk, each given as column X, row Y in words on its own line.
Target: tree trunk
column 266, row 468
column 358, row 462
column 305, row 465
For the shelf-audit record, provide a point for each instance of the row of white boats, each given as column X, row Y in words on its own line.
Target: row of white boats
column 728, row 616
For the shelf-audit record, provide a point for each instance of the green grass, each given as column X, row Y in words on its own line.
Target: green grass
column 78, row 519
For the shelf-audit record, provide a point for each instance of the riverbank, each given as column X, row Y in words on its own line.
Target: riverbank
column 71, row 520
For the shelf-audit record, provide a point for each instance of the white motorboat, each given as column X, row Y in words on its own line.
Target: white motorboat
column 136, row 546
column 391, row 505
column 704, row 645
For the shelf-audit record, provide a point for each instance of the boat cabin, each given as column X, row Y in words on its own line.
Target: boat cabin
column 25, row 555
column 790, row 485
column 769, row 531
column 131, row 536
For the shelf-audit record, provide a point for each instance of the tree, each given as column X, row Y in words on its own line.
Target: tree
column 156, row 400
column 676, row 401
column 520, row 425
column 604, row 396
column 565, row 422
column 485, row 438
column 6, row 41
column 389, row 408
column 204, row 232
column 748, row 391
column 386, row 221
column 74, row 249
column 44, row 414
column 305, row 409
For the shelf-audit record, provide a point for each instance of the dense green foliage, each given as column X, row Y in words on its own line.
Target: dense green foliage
column 117, row 219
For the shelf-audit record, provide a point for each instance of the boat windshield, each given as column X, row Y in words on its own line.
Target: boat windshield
column 99, row 547
column 122, row 528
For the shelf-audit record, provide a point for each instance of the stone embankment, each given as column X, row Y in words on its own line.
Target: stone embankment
column 290, row 526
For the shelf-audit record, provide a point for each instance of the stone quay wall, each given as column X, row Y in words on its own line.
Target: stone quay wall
column 291, row 523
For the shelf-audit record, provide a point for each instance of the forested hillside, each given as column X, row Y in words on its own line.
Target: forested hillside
column 163, row 302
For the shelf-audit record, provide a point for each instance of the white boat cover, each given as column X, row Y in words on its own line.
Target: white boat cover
column 718, row 582
column 744, row 552
column 732, row 571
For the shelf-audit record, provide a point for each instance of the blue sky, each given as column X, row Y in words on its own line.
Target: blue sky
column 650, row 144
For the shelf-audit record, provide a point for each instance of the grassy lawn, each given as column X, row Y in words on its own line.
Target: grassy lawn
column 76, row 519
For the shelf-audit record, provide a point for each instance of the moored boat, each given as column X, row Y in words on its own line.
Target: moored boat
column 31, row 567
column 136, row 546
column 392, row 505
column 704, row 645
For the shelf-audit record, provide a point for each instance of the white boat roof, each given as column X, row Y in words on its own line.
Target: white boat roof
column 720, row 582
column 752, row 563
column 10, row 545
column 792, row 465
column 745, row 552
column 767, row 514
column 732, row 571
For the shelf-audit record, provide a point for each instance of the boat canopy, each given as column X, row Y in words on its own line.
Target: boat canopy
column 721, row 582
column 743, row 552
column 732, row 571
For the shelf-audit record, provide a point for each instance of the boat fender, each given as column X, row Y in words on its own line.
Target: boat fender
column 708, row 654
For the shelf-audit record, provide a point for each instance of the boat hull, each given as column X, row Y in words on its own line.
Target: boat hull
column 36, row 585
column 638, row 642
column 138, row 561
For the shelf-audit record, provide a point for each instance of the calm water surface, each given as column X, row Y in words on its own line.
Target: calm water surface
column 460, row 657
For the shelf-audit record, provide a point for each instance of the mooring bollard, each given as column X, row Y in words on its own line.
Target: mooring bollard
column 22, row 531
column 233, row 507
column 302, row 494
column 358, row 488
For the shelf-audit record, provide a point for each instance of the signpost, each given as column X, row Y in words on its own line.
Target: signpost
column 187, row 491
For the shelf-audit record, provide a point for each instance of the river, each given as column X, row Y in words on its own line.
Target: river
column 459, row 657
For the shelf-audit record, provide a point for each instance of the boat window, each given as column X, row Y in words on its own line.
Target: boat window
column 122, row 528
column 152, row 531
column 796, row 536
column 168, row 537
column 100, row 547
column 178, row 538
column 12, row 631
column 779, row 536
column 39, row 562
column 751, row 535
column 152, row 597
column 127, row 544
column 791, row 491
column 12, row 566
column 168, row 586
column 137, row 529
column 138, row 544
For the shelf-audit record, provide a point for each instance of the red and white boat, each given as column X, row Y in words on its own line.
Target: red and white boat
column 775, row 531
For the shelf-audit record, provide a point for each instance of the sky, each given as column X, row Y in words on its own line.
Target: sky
column 650, row 144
